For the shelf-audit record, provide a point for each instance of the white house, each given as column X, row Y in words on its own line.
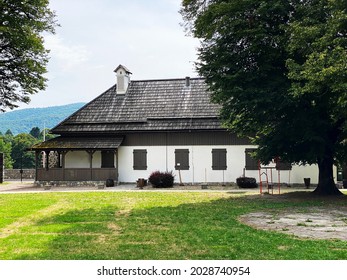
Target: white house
column 137, row 127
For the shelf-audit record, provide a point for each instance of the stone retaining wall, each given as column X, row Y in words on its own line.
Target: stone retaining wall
column 14, row 174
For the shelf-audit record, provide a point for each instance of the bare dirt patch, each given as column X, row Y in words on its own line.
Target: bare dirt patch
column 328, row 222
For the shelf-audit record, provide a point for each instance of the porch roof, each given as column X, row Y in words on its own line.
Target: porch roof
column 79, row 143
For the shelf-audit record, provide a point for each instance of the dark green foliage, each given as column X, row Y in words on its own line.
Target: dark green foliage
column 246, row 182
column 9, row 133
column 6, row 148
column 23, row 57
column 161, row 179
column 15, row 148
column 278, row 68
column 35, row 132
column 21, row 158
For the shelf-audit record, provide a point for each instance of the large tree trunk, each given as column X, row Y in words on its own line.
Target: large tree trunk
column 326, row 184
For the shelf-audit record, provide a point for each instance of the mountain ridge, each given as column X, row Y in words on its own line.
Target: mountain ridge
column 23, row 120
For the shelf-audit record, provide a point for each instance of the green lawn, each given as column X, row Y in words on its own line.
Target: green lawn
column 150, row 225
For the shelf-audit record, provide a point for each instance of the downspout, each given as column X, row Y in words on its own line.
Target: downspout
column 166, row 151
column 193, row 170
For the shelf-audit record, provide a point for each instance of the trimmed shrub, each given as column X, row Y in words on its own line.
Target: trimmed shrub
column 246, row 182
column 155, row 178
column 161, row 179
column 168, row 179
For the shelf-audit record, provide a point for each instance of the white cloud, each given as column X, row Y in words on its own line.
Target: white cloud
column 97, row 35
column 66, row 56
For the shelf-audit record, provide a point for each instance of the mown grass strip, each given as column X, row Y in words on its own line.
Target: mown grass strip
column 151, row 225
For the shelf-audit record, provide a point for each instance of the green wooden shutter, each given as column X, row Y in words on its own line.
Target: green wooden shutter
column 140, row 159
column 219, row 159
column 251, row 162
column 182, row 157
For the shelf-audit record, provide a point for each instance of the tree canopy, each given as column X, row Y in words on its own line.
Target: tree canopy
column 23, row 57
column 35, row 132
column 6, row 148
column 20, row 156
column 279, row 70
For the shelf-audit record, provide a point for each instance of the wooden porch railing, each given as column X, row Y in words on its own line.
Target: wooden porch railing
column 76, row 174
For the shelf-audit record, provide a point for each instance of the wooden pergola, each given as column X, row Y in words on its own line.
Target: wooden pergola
column 60, row 146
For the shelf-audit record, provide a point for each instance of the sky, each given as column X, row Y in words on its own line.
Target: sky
column 95, row 36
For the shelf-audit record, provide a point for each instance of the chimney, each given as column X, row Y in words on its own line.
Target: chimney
column 187, row 81
column 123, row 79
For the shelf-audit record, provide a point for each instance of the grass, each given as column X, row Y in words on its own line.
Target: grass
column 151, row 225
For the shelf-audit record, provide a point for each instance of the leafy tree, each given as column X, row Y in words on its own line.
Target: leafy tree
column 35, row 132
column 8, row 137
column 6, row 148
column 278, row 68
column 22, row 158
column 23, row 57
column 317, row 67
column 8, row 133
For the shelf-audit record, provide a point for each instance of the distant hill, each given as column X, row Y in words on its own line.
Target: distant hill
column 22, row 121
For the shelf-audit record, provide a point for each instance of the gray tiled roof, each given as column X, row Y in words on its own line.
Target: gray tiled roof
column 80, row 143
column 152, row 105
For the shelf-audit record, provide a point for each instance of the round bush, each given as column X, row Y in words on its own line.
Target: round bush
column 161, row 179
column 246, row 182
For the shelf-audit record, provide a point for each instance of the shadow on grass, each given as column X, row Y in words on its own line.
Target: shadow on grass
column 207, row 230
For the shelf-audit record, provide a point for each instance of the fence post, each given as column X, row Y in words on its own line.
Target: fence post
column 1, row 168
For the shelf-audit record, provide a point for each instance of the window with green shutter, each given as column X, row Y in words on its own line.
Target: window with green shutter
column 182, row 159
column 140, row 159
column 251, row 162
column 219, row 159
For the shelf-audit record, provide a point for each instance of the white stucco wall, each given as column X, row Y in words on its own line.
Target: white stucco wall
column 200, row 160
column 162, row 158
column 77, row 159
column 80, row 159
column 294, row 176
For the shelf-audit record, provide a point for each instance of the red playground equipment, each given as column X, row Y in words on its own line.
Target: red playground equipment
column 266, row 176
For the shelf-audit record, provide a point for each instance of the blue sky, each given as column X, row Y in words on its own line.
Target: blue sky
column 97, row 35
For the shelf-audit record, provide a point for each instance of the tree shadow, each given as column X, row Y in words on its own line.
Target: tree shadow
column 206, row 230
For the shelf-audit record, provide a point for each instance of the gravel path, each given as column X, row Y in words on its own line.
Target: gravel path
column 314, row 222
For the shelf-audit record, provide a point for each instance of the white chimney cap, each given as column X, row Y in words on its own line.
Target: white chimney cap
column 120, row 66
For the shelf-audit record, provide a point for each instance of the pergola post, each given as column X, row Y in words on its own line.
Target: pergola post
column 47, row 160
column 91, row 152
column 63, row 153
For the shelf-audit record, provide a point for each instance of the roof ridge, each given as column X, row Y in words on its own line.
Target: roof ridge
column 168, row 79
